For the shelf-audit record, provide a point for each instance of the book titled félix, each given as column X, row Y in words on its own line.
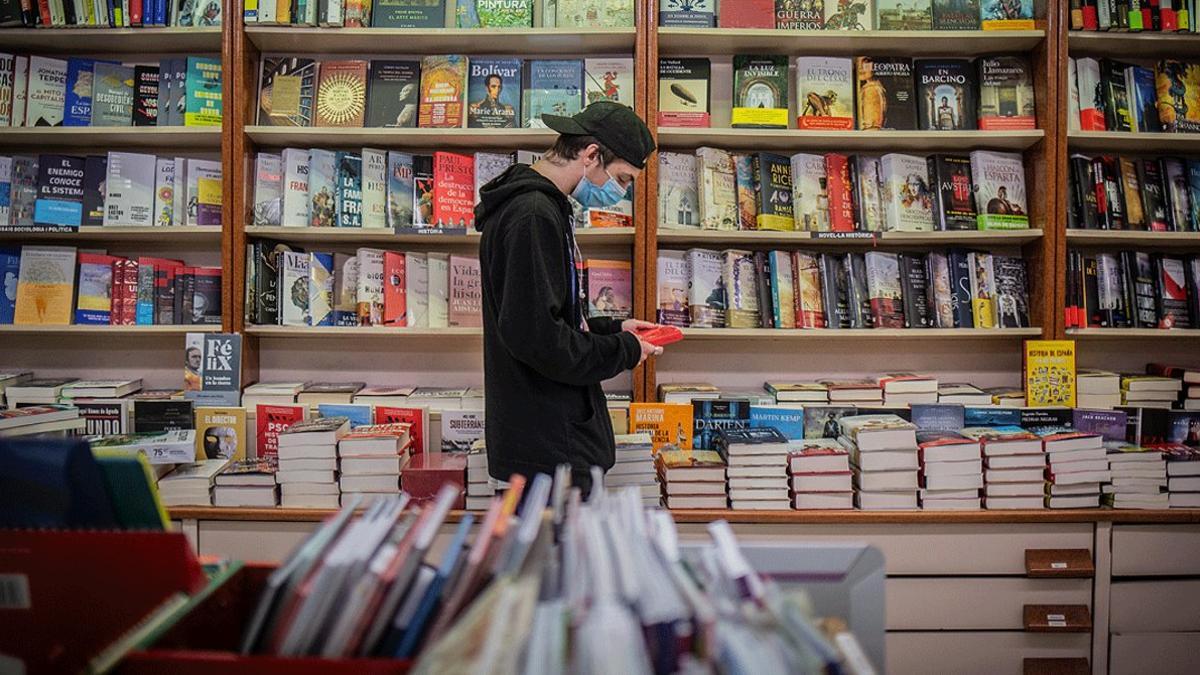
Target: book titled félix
column 213, row 368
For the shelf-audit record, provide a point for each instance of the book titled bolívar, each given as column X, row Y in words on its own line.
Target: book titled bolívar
column 1006, row 100
column 825, row 92
column 999, row 190
column 287, row 92
column 683, row 92
column 392, row 94
column 213, row 368
column 946, row 94
column 886, row 99
column 760, row 92
column 1049, row 373
column 443, row 85
column 494, row 93
column 552, row 87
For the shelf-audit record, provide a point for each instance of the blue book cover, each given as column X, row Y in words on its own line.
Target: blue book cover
column 349, row 189
column 77, row 107
column 358, row 414
column 320, row 289
column 10, row 270
column 418, row 626
column 145, row 297
column 494, row 93
column 960, row 287
column 977, row 416
column 789, row 421
column 1144, row 99
column 938, row 416
column 710, row 416
column 553, row 87
column 1108, row 423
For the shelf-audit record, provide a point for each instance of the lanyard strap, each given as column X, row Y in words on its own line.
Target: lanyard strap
column 578, row 281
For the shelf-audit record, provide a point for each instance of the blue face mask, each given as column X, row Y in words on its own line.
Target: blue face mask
column 593, row 196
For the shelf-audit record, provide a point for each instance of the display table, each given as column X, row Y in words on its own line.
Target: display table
column 983, row 590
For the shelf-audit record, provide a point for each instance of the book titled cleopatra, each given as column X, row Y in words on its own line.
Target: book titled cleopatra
column 683, row 92
column 825, row 92
column 342, row 94
column 667, row 423
column 760, row 92
column 1049, row 373
column 886, row 99
column 443, row 85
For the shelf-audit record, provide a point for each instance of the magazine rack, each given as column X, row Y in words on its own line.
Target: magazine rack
column 66, row 596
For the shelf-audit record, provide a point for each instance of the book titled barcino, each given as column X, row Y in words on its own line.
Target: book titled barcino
column 825, row 92
column 494, row 93
column 946, row 94
column 999, row 190
column 443, row 85
column 886, row 98
column 760, row 92
column 342, row 94
column 907, row 199
column 683, row 92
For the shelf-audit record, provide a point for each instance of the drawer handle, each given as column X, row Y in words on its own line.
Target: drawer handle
column 1057, row 619
column 1057, row 667
column 1059, row 563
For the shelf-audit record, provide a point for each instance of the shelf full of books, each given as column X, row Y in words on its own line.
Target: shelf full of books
column 527, row 41
column 149, row 40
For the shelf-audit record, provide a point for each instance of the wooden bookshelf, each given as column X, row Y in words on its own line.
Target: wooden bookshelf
column 585, row 237
column 95, row 138
column 1132, row 142
column 1126, row 45
column 859, row 334
column 724, row 41
column 1133, row 238
column 679, row 237
column 795, row 140
column 517, row 41
column 181, row 234
column 360, row 332
column 193, row 40
column 1133, row 334
column 122, row 331
column 432, row 139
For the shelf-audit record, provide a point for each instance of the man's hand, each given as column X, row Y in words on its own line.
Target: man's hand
column 648, row 350
column 635, row 325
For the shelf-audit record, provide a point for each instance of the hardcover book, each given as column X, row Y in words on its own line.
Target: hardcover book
column 839, row 185
column 858, row 296
column 1006, row 100
column 940, row 290
column 774, row 189
column 129, row 190
column 741, row 289
column 678, row 197
column 760, row 92
column 320, row 289
column 408, row 14
column 112, row 95
column 1154, row 194
column 903, row 14
column 744, row 180
column 46, row 92
column 322, row 188
column 348, row 208
column 946, row 94
column 886, row 98
column 443, row 85
column 718, row 196
column 712, row 416
column 806, row 282
column 800, row 14
column 59, row 191
column 1049, row 373
column 345, row 290
column 783, row 290
column 294, row 202
column 293, row 290
column 609, row 288
column 374, row 188
column 204, row 192
column 399, row 190
column 44, row 287
column 849, row 15
column 956, row 14
column 914, row 286
column 552, row 87
column 395, row 283
column 674, row 276
column 999, row 179
column 747, row 14
column 868, row 202
column 494, row 93
column 494, row 13
column 77, row 102
column 687, row 13
column 594, row 14
column 608, row 79
column 683, row 92
column 1117, row 112
column 835, row 292
column 466, row 294
column 341, row 94
column 423, row 192
column 416, row 277
column 883, row 285
column 1175, row 180
column 810, row 195
column 488, row 166
column 825, row 92
column 706, row 289
column 907, row 199
column 953, row 201
column 1178, row 85
column 1091, row 94
column 202, row 105
column 370, row 286
column 287, row 92
column 1171, row 285
column 392, row 94
column 1006, row 14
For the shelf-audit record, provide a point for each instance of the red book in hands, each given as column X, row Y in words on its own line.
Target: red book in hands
column 660, row 336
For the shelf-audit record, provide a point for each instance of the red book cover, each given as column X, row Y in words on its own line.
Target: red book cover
column 395, row 302
column 44, row 12
column 1168, row 17
column 453, row 190
column 841, row 194
column 1091, row 21
column 747, row 14
column 135, row 12
column 427, row 472
column 416, row 418
column 115, row 291
column 130, row 292
column 269, row 421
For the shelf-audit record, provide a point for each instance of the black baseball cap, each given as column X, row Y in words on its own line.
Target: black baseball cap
column 615, row 126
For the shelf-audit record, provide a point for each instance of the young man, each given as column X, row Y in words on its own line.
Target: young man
column 543, row 359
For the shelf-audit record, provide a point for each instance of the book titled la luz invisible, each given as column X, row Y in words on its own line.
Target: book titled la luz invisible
column 212, row 369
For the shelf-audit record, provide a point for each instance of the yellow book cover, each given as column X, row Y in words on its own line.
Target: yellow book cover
column 667, row 423
column 45, row 285
column 220, row 433
column 1049, row 373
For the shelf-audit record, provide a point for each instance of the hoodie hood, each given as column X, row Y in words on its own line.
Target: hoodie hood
column 516, row 180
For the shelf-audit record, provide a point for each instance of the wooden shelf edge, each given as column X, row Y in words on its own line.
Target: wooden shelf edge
column 759, row 237
column 1135, row 333
column 23, row 329
column 1064, row 563
column 1057, row 618
column 362, row 332
column 859, row 333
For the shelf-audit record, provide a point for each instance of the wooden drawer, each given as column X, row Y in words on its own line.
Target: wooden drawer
column 969, row 603
column 1153, row 654
column 929, row 550
column 1003, row 653
column 1155, row 606
column 1147, row 550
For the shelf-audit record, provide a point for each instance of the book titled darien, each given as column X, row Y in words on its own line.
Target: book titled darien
column 683, row 92
column 825, row 92
column 392, row 94
column 760, row 92
column 907, row 199
column 341, row 94
column 287, row 92
column 1049, row 373
column 213, row 368
column 946, row 94
column 1006, row 100
column 552, row 87
column 443, row 85
column 886, row 99
column 494, row 93
column 999, row 179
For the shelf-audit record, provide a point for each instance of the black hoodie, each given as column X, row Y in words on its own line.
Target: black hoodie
column 542, row 371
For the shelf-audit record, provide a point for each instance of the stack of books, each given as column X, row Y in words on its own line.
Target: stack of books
column 271, row 393
column 249, row 482
column 1077, row 465
column 9, row 379
column 1139, row 477
column 617, row 405
column 797, row 393
column 963, row 393
column 427, row 473
column 635, row 467
column 757, row 460
column 1014, row 467
column 686, row 392
column 37, row 391
column 883, row 453
column 308, row 458
column 40, row 419
column 854, row 392
column 481, row 487
column 1189, row 378
column 691, row 479
column 1150, row 391
column 902, row 389
column 951, row 470
column 1097, row 389
column 1183, row 477
column 329, row 393
column 819, row 472
column 370, row 460
column 190, row 484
